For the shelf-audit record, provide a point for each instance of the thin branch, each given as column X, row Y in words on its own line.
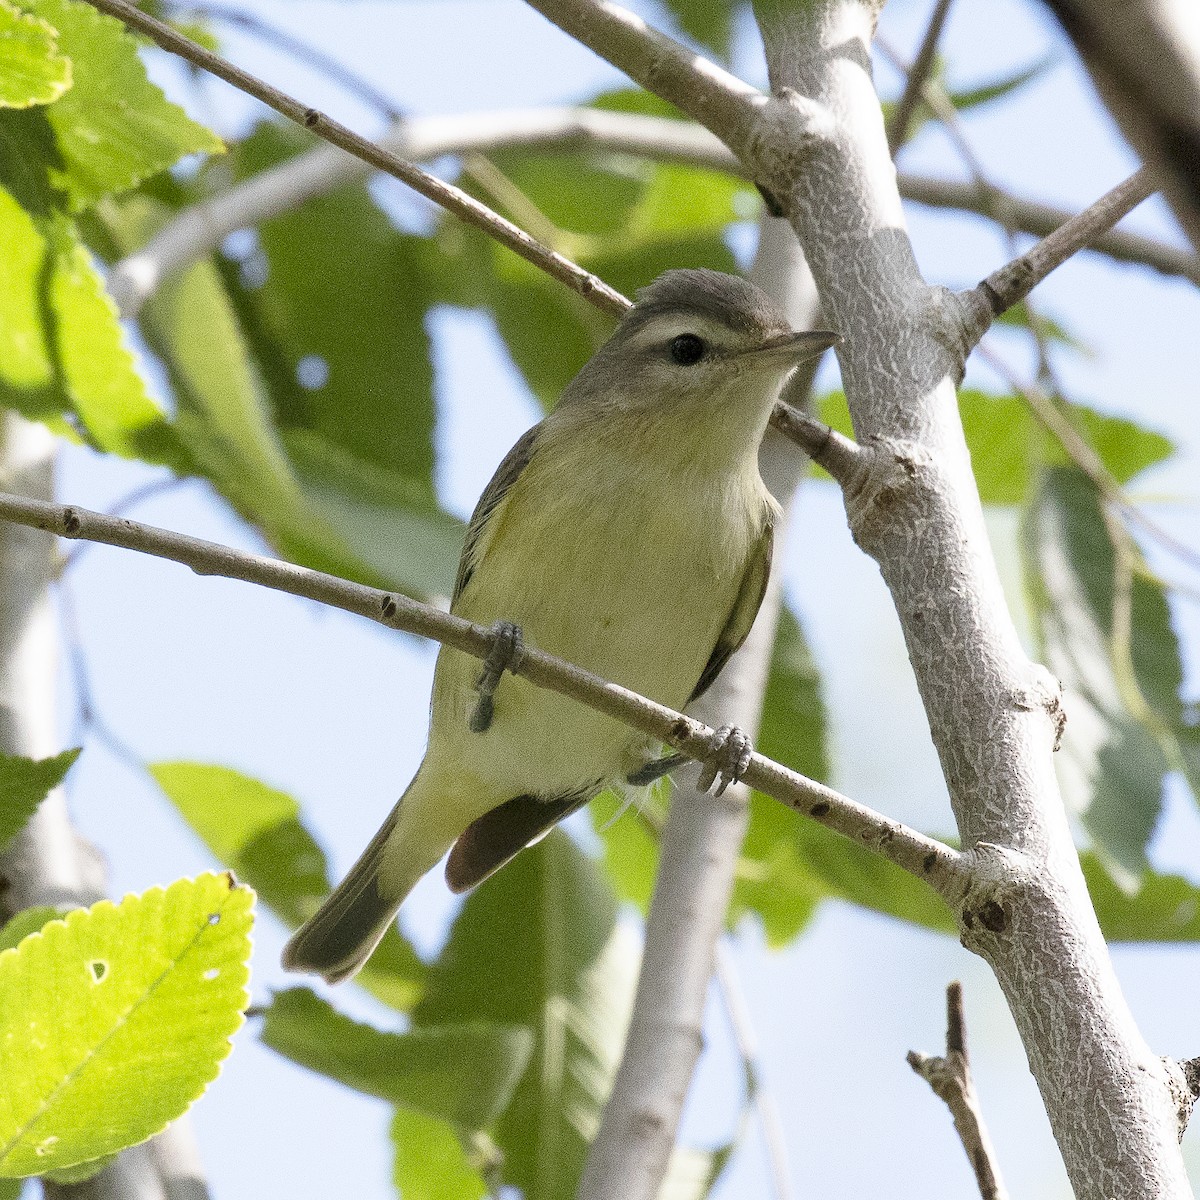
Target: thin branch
column 742, row 1027
column 1086, row 459
column 918, row 73
column 950, row 1078
column 453, row 199
column 1015, row 280
column 924, row 857
column 1040, row 220
column 719, row 101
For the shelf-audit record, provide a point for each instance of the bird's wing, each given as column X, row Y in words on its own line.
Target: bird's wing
column 501, row 834
column 507, row 473
column 745, row 609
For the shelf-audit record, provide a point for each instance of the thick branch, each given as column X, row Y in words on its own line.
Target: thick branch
column 452, row 199
column 924, row 857
column 1144, row 58
column 1015, row 280
column 950, row 1078
column 993, row 715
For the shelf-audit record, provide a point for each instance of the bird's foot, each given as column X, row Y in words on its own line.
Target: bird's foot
column 508, row 646
column 731, row 751
column 655, row 769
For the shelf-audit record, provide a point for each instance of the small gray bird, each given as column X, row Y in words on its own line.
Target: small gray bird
column 629, row 533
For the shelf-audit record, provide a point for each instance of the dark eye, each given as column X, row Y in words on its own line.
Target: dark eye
column 687, row 349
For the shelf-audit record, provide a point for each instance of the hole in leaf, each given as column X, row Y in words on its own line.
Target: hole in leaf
column 99, row 969
column 214, row 918
column 312, row 372
column 212, row 973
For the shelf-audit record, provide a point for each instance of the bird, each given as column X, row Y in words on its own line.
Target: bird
column 628, row 532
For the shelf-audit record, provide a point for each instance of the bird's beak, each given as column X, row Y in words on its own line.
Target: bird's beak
column 796, row 348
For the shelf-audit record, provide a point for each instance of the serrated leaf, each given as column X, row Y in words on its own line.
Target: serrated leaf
column 27, row 921
column 110, row 129
column 62, row 352
column 538, row 945
column 1008, row 446
column 1120, row 675
column 256, row 831
column 24, row 784
column 431, row 1162
column 462, row 1073
column 114, row 1020
column 32, row 70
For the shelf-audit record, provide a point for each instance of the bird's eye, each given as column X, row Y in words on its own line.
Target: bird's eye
column 687, row 349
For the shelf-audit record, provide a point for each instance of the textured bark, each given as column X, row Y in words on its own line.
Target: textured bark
column 994, row 716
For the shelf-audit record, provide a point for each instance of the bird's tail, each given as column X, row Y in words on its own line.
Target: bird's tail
column 340, row 936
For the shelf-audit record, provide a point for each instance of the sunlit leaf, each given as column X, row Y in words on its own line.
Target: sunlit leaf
column 24, row 784
column 110, row 129
column 32, row 69
column 115, row 1019
column 256, row 831
column 1165, row 908
column 431, row 1162
column 27, row 921
column 538, row 945
column 463, row 1073
column 1008, row 445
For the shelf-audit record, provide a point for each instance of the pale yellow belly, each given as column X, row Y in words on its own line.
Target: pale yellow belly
column 634, row 590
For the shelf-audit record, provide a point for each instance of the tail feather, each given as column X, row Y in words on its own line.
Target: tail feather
column 340, row 936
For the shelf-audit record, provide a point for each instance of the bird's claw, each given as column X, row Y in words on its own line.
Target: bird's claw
column 731, row 752
column 508, row 646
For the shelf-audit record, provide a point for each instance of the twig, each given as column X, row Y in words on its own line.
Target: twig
column 760, row 1095
column 706, row 92
column 918, row 73
column 453, row 199
column 950, row 1078
column 1085, row 458
column 1015, row 280
column 928, row 859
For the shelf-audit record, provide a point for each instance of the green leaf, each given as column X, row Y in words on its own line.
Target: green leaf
column 965, row 99
column 10, row 1189
column 538, row 945
column 1165, row 908
column 1008, row 446
column 27, row 921
column 462, row 1073
column 110, row 129
column 431, row 1162
column 24, row 784
column 32, row 71
column 61, row 346
column 114, row 1020
column 256, row 831
column 1121, row 675
column 709, row 22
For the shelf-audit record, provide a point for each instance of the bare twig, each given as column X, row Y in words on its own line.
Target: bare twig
column 950, row 1078
column 928, row 859
column 1015, row 280
column 453, row 199
column 918, row 73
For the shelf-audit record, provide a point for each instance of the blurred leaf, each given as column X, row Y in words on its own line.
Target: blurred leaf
column 692, row 1173
column 27, row 921
column 1019, row 316
column 431, row 1162
column 24, row 784
column 1008, row 445
column 538, row 945
column 114, row 1020
column 1165, row 908
column 10, row 1189
column 341, row 341
column 630, row 844
column 462, row 1072
column 109, row 130
column 637, row 100
column 965, row 99
column 61, row 347
column 256, row 831
column 709, row 22
column 793, row 718
column 1120, row 678
column 32, row 71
